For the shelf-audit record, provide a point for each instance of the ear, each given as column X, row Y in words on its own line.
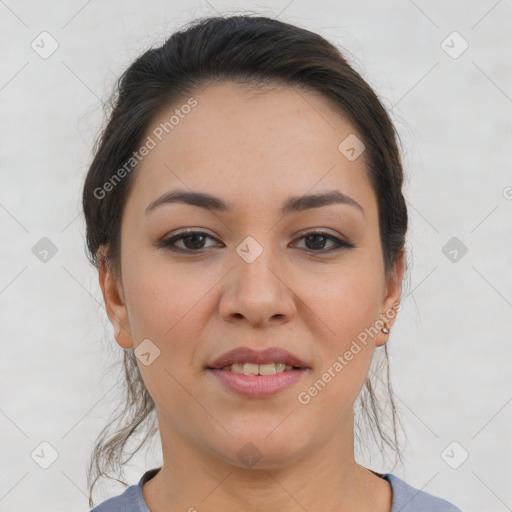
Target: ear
column 391, row 302
column 113, row 295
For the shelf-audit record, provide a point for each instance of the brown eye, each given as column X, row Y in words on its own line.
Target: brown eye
column 316, row 241
column 193, row 241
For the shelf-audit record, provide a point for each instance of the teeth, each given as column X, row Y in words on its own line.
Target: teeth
column 267, row 369
column 258, row 369
column 250, row 369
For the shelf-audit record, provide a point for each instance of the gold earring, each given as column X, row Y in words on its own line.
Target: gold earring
column 385, row 329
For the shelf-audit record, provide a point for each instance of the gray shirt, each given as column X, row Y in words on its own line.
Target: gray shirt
column 405, row 498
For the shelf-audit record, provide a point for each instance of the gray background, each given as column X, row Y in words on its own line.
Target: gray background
column 450, row 349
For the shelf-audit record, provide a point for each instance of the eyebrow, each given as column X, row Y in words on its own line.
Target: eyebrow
column 292, row 204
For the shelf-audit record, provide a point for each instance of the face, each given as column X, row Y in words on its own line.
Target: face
column 308, row 280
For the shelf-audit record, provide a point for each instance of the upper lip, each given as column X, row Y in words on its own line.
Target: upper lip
column 249, row 355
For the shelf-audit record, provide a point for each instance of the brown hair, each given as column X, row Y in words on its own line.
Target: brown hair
column 258, row 51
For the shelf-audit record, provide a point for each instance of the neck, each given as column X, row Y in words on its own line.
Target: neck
column 327, row 479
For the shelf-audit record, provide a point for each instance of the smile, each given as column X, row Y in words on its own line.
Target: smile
column 258, row 385
column 258, row 369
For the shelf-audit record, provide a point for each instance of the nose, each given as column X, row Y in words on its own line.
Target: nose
column 257, row 292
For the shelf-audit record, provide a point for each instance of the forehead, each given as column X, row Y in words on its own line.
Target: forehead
column 249, row 146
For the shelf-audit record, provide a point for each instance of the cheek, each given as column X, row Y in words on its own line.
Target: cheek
column 348, row 305
column 347, row 301
column 168, row 307
column 161, row 297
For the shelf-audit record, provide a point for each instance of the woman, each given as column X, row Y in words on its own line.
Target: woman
column 245, row 213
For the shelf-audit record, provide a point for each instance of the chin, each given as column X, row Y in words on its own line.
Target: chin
column 262, row 451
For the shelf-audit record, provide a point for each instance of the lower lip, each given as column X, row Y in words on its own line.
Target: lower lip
column 258, row 386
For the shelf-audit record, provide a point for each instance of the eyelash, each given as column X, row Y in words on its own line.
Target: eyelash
column 168, row 243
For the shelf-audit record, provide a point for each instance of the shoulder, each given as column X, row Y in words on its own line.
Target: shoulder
column 409, row 499
column 131, row 500
column 128, row 501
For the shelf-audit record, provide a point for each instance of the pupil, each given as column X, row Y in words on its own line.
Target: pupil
column 193, row 237
column 316, row 238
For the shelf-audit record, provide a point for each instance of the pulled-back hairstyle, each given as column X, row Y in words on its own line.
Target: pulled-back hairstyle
column 257, row 51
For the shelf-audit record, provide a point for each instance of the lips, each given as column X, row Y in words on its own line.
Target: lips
column 247, row 355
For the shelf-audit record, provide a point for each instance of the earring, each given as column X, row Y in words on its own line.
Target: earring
column 385, row 329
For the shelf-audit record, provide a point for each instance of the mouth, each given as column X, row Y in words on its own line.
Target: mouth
column 248, row 361
column 257, row 374
column 258, row 369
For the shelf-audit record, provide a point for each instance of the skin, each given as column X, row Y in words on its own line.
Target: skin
column 255, row 151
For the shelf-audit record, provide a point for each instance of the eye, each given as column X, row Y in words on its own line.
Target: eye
column 316, row 240
column 193, row 241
